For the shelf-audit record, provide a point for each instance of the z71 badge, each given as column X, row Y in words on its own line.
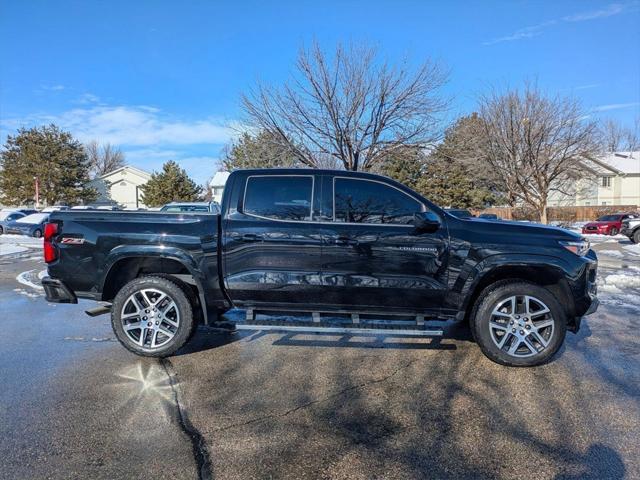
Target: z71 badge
column 72, row 241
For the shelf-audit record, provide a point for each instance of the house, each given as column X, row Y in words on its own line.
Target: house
column 613, row 179
column 217, row 185
column 121, row 187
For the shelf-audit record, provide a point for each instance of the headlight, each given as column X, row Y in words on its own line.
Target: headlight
column 580, row 247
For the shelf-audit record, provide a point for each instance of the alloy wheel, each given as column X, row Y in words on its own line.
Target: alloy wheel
column 521, row 325
column 150, row 318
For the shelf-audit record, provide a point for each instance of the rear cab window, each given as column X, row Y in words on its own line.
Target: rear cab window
column 279, row 197
column 186, row 208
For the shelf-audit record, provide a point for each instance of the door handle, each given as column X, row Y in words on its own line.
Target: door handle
column 345, row 241
column 250, row 237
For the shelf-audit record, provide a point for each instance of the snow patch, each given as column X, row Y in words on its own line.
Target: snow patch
column 621, row 281
column 9, row 249
column 621, row 289
column 611, row 253
column 633, row 249
column 25, row 278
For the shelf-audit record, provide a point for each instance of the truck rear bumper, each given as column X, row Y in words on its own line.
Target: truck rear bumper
column 57, row 292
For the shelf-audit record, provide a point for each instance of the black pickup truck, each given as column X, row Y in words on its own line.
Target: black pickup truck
column 360, row 249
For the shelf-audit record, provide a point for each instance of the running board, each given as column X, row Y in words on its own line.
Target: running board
column 426, row 332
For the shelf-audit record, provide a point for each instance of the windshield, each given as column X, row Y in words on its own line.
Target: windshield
column 34, row 219
column 609, row 218
column 5, row 214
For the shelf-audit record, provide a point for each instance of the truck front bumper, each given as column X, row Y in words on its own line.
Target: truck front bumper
column 595, row 303
column 57, row 292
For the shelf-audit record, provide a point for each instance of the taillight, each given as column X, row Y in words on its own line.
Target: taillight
column 50, row 252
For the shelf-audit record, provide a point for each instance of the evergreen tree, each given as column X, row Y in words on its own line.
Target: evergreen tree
column 258, row 151
column 405, row 165
column 51, row 156
column 450, row 184
column 456, row 173
column 171, row 185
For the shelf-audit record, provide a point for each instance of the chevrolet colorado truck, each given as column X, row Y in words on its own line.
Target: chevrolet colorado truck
column 339, row 252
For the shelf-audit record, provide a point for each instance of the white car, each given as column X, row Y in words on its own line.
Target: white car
column 631, row 228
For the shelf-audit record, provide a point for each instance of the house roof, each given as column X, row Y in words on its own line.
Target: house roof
column 219, row 179
column 622, row 163
column 128, row 168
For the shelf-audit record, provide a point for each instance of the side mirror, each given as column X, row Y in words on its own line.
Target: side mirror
column 427, row 222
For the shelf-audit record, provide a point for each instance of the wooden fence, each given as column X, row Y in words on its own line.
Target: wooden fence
column 560, row 214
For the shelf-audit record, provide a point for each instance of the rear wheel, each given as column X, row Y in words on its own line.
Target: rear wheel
column 1, row 230
column 519, row 324
column 152, row 316
column 613, row 232
column 37, row 233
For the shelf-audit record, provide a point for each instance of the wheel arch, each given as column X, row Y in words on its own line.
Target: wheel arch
column 553, row 278
column 178, row 266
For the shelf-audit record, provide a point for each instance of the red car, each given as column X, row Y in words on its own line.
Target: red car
column 607, row 224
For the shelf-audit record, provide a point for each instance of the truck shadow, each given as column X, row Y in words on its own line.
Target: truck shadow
column 207, row 338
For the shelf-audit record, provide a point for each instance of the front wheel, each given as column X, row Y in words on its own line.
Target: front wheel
column 152, row 316
column 613, row 232
column 636, row 236
column 519, row 324
column 37, row 233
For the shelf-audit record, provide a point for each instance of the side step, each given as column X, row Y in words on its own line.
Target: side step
column 426, row 332
column 358, row 325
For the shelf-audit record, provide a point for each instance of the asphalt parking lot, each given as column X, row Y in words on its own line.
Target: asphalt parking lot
column 74, row 404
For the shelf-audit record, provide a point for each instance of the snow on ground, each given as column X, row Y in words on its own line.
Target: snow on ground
column 611, row 253
column 621, row 288
column 605, row 238
column 9, row 249
column 31, row 279
column 620, row 282
column 633, row 249
column 14, row 244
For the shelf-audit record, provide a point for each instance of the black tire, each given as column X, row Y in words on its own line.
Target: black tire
column 1, row 230
column 613, row 232
column 37, row 233
column 481, row 317
column 183, row 308
column 636, row 236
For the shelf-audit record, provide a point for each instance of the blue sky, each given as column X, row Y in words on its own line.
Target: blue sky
column 162, row 79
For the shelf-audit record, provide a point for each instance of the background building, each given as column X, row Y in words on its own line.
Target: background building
column 121, row 187
column 217, row 185
column 613, row 179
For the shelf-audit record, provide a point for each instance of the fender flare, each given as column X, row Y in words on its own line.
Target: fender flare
column 124, row 252
column 512, row 260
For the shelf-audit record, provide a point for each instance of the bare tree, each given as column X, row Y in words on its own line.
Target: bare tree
column 536, row 143
column 104, row 158
column 617, row 138
column 352, row 107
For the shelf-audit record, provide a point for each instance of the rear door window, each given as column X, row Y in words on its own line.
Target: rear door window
column 282, row 197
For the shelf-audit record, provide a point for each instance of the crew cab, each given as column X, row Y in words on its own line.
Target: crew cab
column 607, row 224
column 339, row 251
